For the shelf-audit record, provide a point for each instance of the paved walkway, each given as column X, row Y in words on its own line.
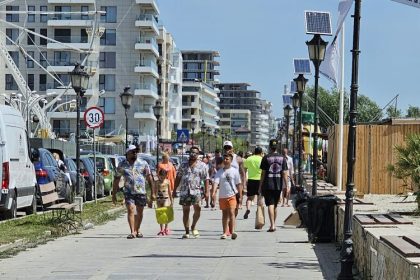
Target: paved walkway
column 105, row 253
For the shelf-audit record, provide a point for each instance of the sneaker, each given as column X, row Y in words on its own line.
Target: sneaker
column 234, row 235
column 185, row 236
column 223, row 236
column 246, row 214
column 195, row 233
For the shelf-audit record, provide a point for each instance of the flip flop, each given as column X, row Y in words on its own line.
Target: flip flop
column 271, row 230
column 130, row 236
column 139, row 235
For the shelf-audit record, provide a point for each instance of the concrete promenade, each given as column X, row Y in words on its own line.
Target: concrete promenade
column 105, row 253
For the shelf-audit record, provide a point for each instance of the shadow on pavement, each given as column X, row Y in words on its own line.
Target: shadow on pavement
column 196, row 256
column 296, row 265
column 328, row 258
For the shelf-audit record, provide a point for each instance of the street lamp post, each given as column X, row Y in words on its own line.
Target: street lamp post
column 316, row 49
column 203, row 130
column 295, row 102
column 79, row 82
column 300, row 86
column 209, row 133
column 287, row 113
column 216, row 133
column 347, row 254
column 157, row 110
column 193, row 125
column 126, row 98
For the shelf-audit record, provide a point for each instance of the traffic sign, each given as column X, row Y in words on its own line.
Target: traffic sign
column 94, row 117
column 183, row 135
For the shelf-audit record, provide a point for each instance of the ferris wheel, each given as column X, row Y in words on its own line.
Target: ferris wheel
column 37, row 106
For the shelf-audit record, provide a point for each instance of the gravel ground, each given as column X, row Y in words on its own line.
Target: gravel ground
column 395, row 203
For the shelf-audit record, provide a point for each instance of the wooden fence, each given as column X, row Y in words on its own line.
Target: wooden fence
column 374, row 152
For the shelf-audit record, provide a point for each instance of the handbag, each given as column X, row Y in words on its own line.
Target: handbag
column 164, row 215
column 260, row 216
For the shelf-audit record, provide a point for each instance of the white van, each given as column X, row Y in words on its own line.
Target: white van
column 18, row 180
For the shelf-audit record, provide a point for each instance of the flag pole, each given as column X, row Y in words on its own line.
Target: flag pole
column 341, row 115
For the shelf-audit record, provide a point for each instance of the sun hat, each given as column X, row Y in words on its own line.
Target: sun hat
column 130, row 148
column 227, row 143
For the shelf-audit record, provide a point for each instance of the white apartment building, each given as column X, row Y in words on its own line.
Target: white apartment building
column 237, row 122
column 131, row 52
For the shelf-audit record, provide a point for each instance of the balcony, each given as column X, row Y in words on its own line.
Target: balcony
column 194, row 104
column 150, row 4
column 144, row 112
column 66, row 20
column 65, row 66
column 58, row 89
column 147, row 44
column 73, row 41
column 147, row 22
column 71, row 1
column 188, row 117
column 147, row 67
column 147, row 90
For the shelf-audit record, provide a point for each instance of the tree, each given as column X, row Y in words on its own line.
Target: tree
column 393, row 112
column 367, row 110
column 413, row 112
column 407, row 166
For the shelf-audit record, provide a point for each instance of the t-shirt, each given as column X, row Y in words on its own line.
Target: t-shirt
column 134, row 175
column 273, row 164
column 171, row 173
column 191, row 178
column 223, row 177
column 253, row 165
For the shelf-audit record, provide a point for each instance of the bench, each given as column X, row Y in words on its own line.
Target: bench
column 63, row 214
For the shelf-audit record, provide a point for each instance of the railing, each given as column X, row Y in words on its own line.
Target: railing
column 148, row 40
column 148, row 63
column 71, row 63
column 147, row 86
column 70, row 17
column 148, row 17
column 144, row 108
column 71, row 39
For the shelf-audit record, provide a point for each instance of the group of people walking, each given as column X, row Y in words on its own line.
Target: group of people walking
column 227, row 174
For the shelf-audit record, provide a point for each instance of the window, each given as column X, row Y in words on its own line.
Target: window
column 31, row 81
column 111, row 14
column 62, row 58
column 109, row 126
column 107, row 82
column 107, row 104
column 44, row 17
column 31, row 14
column 109, row 38
column 13, row 34
column 83, row 36
column 61, row 127
column 42, row 82
column 29, row 61
column 12, row 17
column 107, row 60
column 15, row 57
column 62, row 35
column 43, row 32
column 84, row 10
column 62, row 9
column 10, row 83
column 31, row 37
column 64, row 78
column 43, row 59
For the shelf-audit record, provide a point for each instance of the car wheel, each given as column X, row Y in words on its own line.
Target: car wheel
column 12, row 212
column 32, row 209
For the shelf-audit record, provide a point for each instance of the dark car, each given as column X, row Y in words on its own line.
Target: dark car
column 72, row 171
column 87, row 170
column 47, row 170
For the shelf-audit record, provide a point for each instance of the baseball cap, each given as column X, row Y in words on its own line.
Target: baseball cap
column 131, row 148
column 273, row 143
column 227, row 143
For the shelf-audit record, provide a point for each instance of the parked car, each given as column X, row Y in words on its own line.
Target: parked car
column 105, row 167
column 72, row 171
column 87, row 170
column 47, row 170
column 116, row 159
column 151, row 160
column 18, row 186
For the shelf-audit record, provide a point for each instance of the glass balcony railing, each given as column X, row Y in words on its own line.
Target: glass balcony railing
column 148, row 17
column 144, row 108
column 147, row 86
column 148, row 40
column 70, row 17
column 148, row 63
column 71, row 39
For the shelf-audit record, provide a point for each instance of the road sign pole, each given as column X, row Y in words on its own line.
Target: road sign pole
column 94, row 168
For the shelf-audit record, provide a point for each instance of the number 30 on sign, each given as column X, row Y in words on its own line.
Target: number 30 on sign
column 94, row 117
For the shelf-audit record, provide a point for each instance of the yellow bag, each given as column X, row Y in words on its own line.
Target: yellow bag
column 164, row 215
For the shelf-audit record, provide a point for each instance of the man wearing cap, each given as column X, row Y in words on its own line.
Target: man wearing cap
column 252, row 164
column 189, row 178
column 273, row 174
column 135, row 172
column 238, row 163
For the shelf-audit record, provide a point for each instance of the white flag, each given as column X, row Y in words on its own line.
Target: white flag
column 331, row 66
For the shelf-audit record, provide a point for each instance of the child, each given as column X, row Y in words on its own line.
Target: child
column 164, row 197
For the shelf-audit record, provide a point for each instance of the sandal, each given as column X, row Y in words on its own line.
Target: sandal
column 162, row 233
column 130, row 236
column 271, row 230
column 139, row 235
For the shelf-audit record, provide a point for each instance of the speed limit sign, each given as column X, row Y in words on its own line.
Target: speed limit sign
column 94, row 117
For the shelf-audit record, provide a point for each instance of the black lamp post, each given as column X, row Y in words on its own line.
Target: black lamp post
column 79, row 82
column 193, row 125
column 300, row 87
column 287, row 114
column 157, row 111
column 347, row 254
column 295, row 101
column 203, row 130
column 216, row 134
column 126, row 98
column 209, row 133
column 316, row 49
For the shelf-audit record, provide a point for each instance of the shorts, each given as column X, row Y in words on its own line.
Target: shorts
column 188, row 200
column 139, row 200
column 228, row 202
column 252, row 187
column 271, row 197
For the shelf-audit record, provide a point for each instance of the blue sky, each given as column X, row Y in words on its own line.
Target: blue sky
column 258, row 40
